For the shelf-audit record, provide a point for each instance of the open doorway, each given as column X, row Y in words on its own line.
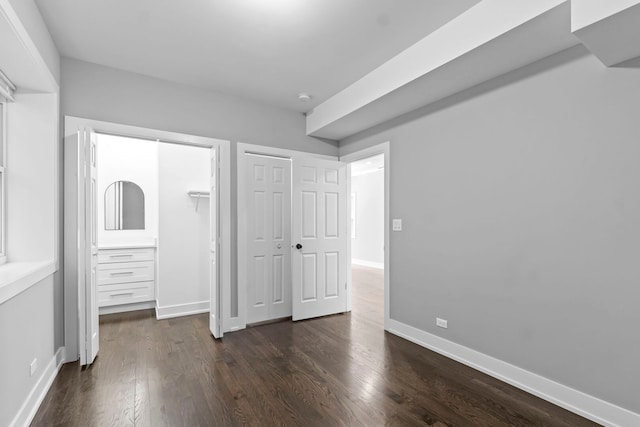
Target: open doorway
column 139, row 227
column 369, row 274
column 153, row 219
column 367, row 238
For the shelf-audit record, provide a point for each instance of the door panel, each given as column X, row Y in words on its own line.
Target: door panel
column 309, row 277
column 331, row 215
column 259, row 215
column 268, row 237
column 260, row 282
column 332, row 274
column 309, row 219
column 320, row 228
column 95, row 320
column 278, row 279
column 89, row 336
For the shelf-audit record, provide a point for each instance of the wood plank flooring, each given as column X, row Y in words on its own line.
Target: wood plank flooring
column 341, row 370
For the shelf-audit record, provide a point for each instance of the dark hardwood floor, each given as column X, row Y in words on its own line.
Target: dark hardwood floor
column 333, row 371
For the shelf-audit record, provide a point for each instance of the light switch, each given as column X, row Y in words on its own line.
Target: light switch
column 397, row 225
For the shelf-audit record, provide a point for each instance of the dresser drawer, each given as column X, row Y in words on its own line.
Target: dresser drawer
column 126, row 272
column 107, row 256
column 127, row 293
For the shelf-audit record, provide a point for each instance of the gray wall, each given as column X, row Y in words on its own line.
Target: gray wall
column 521, row 210
column 26, row 333
column 369, row 242
column 101, row 93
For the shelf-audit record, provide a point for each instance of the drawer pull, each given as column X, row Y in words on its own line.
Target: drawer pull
column 122, row 294
column 121, row 256
column 122, row 273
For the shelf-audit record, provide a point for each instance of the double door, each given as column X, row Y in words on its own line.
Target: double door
column 296, row 237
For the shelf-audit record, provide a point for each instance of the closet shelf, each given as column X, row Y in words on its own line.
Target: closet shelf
column 199, row 195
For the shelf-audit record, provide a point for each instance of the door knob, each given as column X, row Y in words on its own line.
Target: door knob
column 279, row 246
column 298, row 246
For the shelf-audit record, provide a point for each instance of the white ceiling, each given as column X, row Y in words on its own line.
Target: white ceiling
column 368, row 165
column 266, row 50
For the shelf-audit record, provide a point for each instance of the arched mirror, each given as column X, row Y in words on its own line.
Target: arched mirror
column 123, row 206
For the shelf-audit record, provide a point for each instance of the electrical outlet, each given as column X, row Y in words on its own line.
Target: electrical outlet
column 396, row 225
column 441, row 323
column 33, row 367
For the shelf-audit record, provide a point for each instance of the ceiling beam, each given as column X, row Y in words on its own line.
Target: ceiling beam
column 609, row 29
column 488, row 40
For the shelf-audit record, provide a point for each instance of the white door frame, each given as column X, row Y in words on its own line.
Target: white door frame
column 383, row 148
column 73, row 317
column 240, row 322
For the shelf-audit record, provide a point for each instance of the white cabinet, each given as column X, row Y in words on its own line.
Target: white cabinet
column 126, row 276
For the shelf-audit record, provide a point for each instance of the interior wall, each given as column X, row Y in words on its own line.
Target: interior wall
column 134, row 160
column 368, row 244
column 30, row 17
column 27, row 333
column 31, row 177
column 101, row 93
column 32, row 322
column 183, row 240
column 520, row 215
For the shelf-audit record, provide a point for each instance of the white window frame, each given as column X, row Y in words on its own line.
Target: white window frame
column 6, row 94
column 3, row 180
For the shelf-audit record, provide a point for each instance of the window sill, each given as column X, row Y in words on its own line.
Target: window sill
column 17, row 277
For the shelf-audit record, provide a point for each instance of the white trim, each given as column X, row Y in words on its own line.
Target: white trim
column 17, row 277
column 383, row 148
column 39, row 391
column 224, row 233
column 240, row 322
column 138, row 132
column 3, row 185
column 365, row 263
column 58, row 248
column 585, row 405
column 180, row 310
column 279, row 152
column 111, row 309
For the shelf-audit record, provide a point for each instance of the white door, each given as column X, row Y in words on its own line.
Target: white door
column 88, row 293
column 268, row 237
column 319, row 237
column 214, row 304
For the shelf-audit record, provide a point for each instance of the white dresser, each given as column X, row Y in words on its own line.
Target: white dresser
column 126, row 275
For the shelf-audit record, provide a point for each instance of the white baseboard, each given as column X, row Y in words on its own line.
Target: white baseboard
column 36, row 396
column 365, row 263
column 123, row 308
column 182, row 310
column 585, row 405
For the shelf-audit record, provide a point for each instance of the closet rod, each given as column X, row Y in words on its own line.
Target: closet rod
column 199, row 195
